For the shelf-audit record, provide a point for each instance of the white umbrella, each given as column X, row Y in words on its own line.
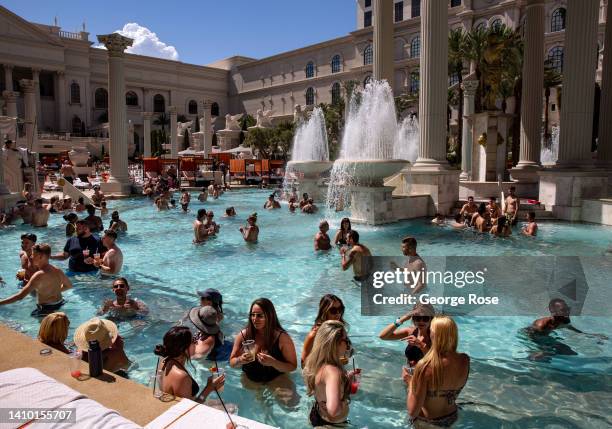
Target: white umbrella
column 238, row 150
column 189, row 151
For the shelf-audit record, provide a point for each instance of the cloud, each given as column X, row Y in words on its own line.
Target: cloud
column 145, row 42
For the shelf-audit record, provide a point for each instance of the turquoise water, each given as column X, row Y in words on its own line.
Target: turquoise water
column 164, row 268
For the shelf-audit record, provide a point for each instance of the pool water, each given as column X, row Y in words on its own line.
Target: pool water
column 505, row 389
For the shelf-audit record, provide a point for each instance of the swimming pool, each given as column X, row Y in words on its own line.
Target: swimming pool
column 164, row 268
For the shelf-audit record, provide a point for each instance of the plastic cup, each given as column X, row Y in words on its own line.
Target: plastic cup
column 249, row 347
column 216, row 373
column 355, row 383
column 75, row 364
column 97, row 256
column 86, row 252
column 21, row 274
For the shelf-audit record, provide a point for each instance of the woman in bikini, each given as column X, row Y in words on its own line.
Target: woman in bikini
column 330, row 308
column 345, row 227
column 438, row 378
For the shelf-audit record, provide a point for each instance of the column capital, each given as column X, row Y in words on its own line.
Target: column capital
column 470, row 86
column 27, row 85
column 10, row 96
column 172, row 110
column 146, row 115
column 60, row 73
column 115, row 43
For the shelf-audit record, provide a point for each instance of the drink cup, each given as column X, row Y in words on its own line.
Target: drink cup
column 75, row 364
column 248, row 346
column 85, row 253
column 155, row 384
column 21, row 274
column 97, row 256
column 216, row 373
column 355, row 383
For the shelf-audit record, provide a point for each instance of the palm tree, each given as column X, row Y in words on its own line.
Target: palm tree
column 162, row 120
column 457, row 46
column 552, row 79
column 475, row 43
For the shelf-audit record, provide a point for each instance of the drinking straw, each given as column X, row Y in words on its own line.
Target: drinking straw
column 219, row 396
column 354, row 370
column 155, row 377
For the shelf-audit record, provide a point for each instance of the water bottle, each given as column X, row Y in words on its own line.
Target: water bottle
column 94, row 356
column 157, row 389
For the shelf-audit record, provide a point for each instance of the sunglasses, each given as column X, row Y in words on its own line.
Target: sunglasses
column 336, row 310
column 421, row 318
column 258, row 316
column 119, row 286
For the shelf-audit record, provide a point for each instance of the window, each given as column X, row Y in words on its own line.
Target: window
column 131, row 99
column 75, row 93
column 414, row 82
column 557, row 20
column 368, row 3
column 455, row 3
column 453, row 79
column 336, row 64
column 415, row 9
column 367, row 80
column 77, row 125
column 481, row 26
column 101, row 99
column 336, row 94
column 368, row 55
column 496, row 24
column 415, row 47
column 399, row 11
column 553, row 107
column 310, row 96
column 214, row 109
column 159, row 104
column 367, row 19
column 555, row 58
column 309, row 70
column 193, row 107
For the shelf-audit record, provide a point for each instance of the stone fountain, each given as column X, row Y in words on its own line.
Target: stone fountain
column 370, row 148
column 309, row 155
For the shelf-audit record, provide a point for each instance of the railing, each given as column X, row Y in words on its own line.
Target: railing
column 70, row 35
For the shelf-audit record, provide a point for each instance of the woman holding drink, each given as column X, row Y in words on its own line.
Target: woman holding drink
column 326, row 378
column 330, row 308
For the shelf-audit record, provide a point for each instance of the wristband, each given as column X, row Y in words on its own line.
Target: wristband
column 397, row 323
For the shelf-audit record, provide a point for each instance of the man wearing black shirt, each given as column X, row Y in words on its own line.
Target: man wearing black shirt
column 76, row 247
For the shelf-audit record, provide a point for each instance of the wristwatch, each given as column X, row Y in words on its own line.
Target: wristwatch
column 397, row 323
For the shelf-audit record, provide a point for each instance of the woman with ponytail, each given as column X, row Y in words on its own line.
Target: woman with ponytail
column 177, row 348
column 438, row 378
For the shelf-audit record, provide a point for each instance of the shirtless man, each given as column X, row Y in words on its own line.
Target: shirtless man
column 117, row 224
column 494, row 210
column 321, row 239
column 122, row 305
column 26, row 211
column 27, row 263
column 355, row 257
column 479, row 220
column 112, row 261
column 511, row 208
column 559, row 318
column 200, row 231
column 97, row 196
column 209, row 223
column 271, row 203
column 40, row 215
column 468, row 209
column 68, row 172
column 203, row 196
column 531, row 229
column 80, row 205
column 49, row 282
column 414, row 263
column 251, row 232
column 310, row 207
column 185, row 200
column 304, row 200
column 211, row 188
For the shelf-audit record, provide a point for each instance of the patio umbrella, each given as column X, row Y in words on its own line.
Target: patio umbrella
column 188, row 152
column 238, row 150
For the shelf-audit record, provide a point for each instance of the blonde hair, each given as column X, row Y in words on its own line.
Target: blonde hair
column 324, row 352
column 444, row 341
column 54, row 328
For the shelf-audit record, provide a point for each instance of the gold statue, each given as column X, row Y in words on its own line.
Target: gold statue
column 482, row 140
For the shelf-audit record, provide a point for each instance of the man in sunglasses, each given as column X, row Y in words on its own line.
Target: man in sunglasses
column 123, row 305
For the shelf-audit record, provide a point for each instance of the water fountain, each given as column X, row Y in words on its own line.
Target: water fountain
column 550, row 149
column 370, row 146
column 309, row 155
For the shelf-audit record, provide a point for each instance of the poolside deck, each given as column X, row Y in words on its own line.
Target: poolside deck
column 132, row 400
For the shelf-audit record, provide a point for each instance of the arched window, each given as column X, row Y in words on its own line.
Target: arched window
column 336, row 64
column 367, row 80
column 75, row 93
column 214, row 109
column 336, row 94
column 131, row 99
column 77, row 125
column 555, row 58
column 192, row 107
column 481, row 26
column 415, row 47
column 310, row 96
column 414, row 82
column 159, row 104
column 453, row 79
column 309, row 70
column 101, row 99
column 557, row 20
column 368, row 55
column 496, row 24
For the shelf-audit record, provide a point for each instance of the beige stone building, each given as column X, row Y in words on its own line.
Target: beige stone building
column 72, row 75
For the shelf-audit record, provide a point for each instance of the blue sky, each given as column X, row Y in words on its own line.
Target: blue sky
column 202, row 31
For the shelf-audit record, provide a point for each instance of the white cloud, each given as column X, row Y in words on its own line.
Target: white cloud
column 146, row 42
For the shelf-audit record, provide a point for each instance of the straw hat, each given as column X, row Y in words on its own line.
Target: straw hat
column 102, row 330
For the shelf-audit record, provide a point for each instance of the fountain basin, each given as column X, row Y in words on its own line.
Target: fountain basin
column 310, row 169
column 370, row 172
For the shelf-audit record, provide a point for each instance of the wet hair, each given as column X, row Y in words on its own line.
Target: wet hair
column 458, row 217
column 482, row 208
column 354, row 235
column 91, row 210
column 531, row 215
column 103, row 204
column 42, row 248
column 38, row 200
column 409, row 241
column 493, row 199
column 54, row 329
column 175, row 343
column 82, row 222
column 272, row 323
column 325, row 304
column 29, row 236
column 471, row 196
column 81, row 200
column 111, row 234
column 173, row 201
column 344, row 221
column 201, row 213
column 122, row 279
column 115, row 213
column 304, row 195
column 501, row 223
column 323, row 223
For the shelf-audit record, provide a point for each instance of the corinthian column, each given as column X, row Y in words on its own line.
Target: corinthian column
column 207, row 129
column 173, row 132
column 61, row 101
column 8, row 77
column 29, row 94
column 470, row 85
column 578, row 83
column 383, row 40
column 531, row 101
column 434, row 83
column 36, row 79
column 119, row 182
column 10, row 98
column 604, row 150
column 146, row 119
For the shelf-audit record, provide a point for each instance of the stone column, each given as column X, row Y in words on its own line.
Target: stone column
column 29, row 94
column 173, row 132
column 531, row 102
column 61, row 101
column 8, row 77
column 146, row 119
column 119, row 182
column 36, row 79
column 207, row 130
column 604, row 151
column 434, row 84
column 470, row 85
column 578, row 84
column 383, row 41
column 10, row 98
